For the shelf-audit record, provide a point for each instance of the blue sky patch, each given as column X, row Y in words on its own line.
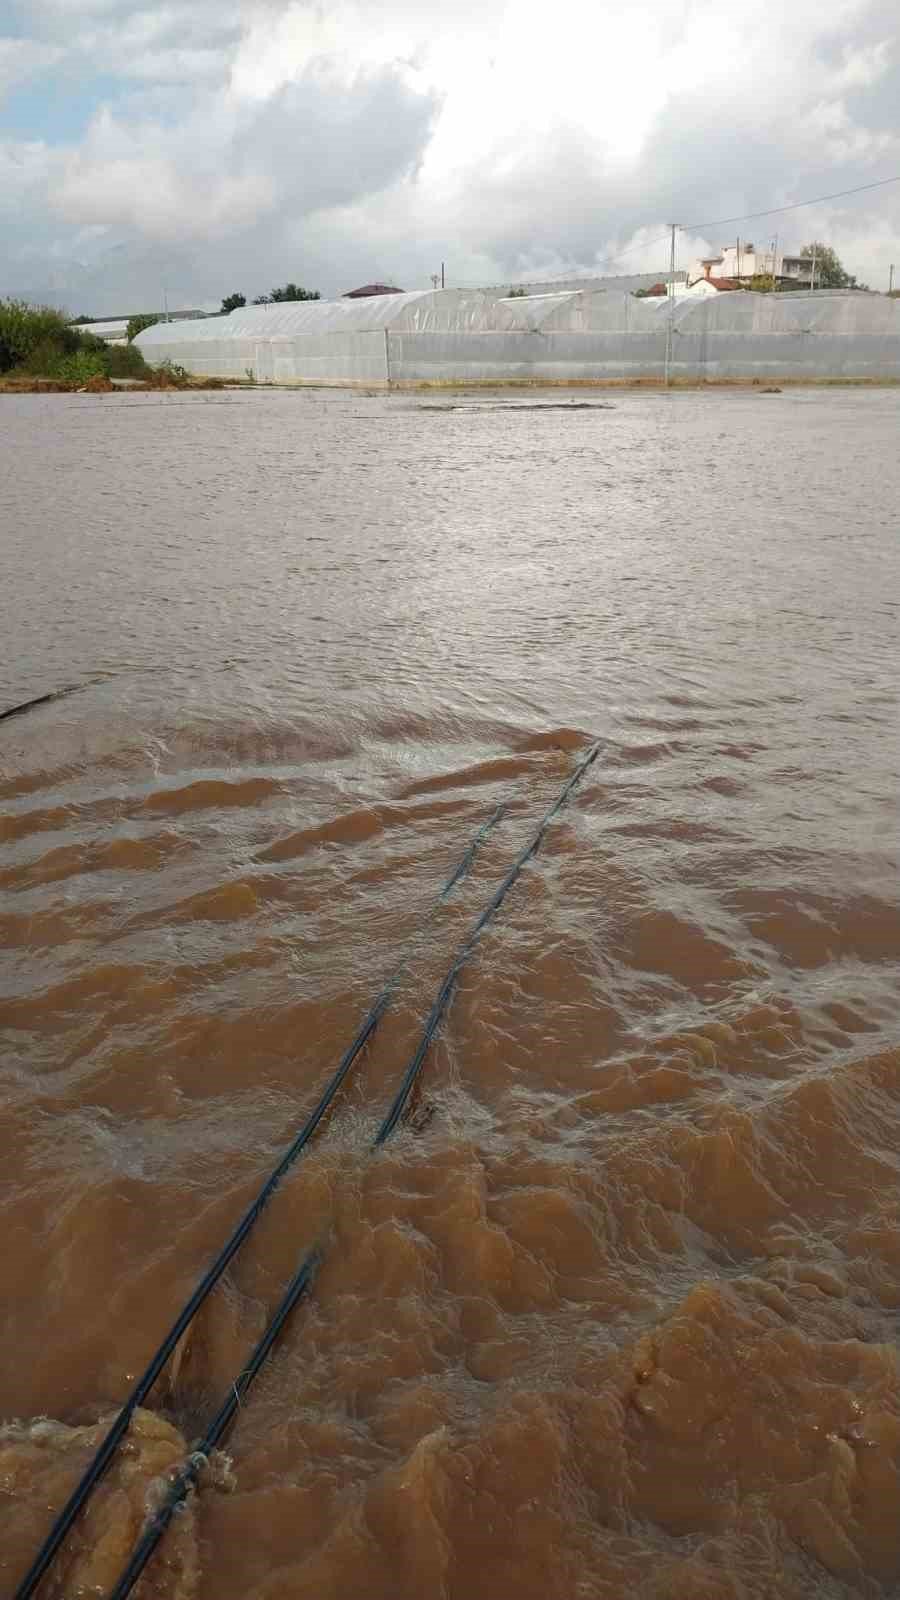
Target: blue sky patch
column 56, row 107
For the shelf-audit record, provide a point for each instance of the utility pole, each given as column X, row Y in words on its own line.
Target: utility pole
column 891, row 279
column 812, row 281
column 442, row 274
column 674, row 227
column 775, row 265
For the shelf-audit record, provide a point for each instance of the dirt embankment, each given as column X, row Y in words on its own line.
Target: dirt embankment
column 19, row 383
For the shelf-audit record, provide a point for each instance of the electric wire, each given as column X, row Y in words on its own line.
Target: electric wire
column 717, row 222
column 797, row 205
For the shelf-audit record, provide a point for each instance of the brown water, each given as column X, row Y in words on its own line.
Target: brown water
column 619, row 1313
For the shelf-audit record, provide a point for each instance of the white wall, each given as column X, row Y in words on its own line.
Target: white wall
column 451, row 337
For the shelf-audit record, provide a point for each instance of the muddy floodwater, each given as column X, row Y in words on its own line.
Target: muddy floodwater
column 616, row 1313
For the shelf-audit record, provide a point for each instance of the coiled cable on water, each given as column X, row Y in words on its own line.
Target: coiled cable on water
column 187, row 1477
column 106, row 1450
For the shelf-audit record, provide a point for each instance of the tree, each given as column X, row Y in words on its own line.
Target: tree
column 137, row 325
column 830, row 273
column 518, row 294
column 292, row 291
column 233, row 302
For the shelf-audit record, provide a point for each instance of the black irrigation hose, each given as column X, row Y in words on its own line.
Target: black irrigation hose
column 119, row 1427
column 465, row 950
column 42, row 700
column 186, row 1478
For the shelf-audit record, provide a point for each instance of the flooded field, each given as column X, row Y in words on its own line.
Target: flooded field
column 616, row 1312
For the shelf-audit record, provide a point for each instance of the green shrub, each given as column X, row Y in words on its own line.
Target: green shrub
column 137, row 325
column 125, row 361
column 43, row 360
column 82, row 366
column 41, row 342
column 46, row 360
column 23, row 328
column 168, row 375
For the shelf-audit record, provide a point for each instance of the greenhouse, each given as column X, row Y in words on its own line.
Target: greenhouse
column 454, row 336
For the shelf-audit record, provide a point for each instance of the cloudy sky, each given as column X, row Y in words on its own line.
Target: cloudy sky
column 205, row 146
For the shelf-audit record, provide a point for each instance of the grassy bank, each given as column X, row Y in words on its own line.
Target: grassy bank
column 41, row 352
column 154, row 378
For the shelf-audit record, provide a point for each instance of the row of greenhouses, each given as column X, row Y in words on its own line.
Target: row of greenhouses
column 454, row 336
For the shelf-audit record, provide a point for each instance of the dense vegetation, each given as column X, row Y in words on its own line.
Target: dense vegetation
column 37, row 339
column 136, row 325
column 830, row 270
column 290, row 291
column 38, row 342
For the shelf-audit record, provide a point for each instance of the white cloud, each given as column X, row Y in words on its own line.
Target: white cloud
column 20, row 59
column 274, row 138
column 319, row 141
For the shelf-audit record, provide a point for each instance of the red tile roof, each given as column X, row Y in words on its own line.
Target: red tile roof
column 371, row 288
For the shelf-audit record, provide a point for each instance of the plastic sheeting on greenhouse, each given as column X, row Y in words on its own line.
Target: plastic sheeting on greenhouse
column 455, row 336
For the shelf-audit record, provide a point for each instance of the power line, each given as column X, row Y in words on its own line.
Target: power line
column 749, row 216
column 717, row 222
column 641, row 245
column 602, row 261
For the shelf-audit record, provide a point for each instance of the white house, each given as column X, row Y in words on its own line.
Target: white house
column 739, row 262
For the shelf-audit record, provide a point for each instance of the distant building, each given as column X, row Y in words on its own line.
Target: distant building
column 738, row 263
column 702, row 289
column 625, row 283
column 798, row 268
column 114, row 330
column 371, row 289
